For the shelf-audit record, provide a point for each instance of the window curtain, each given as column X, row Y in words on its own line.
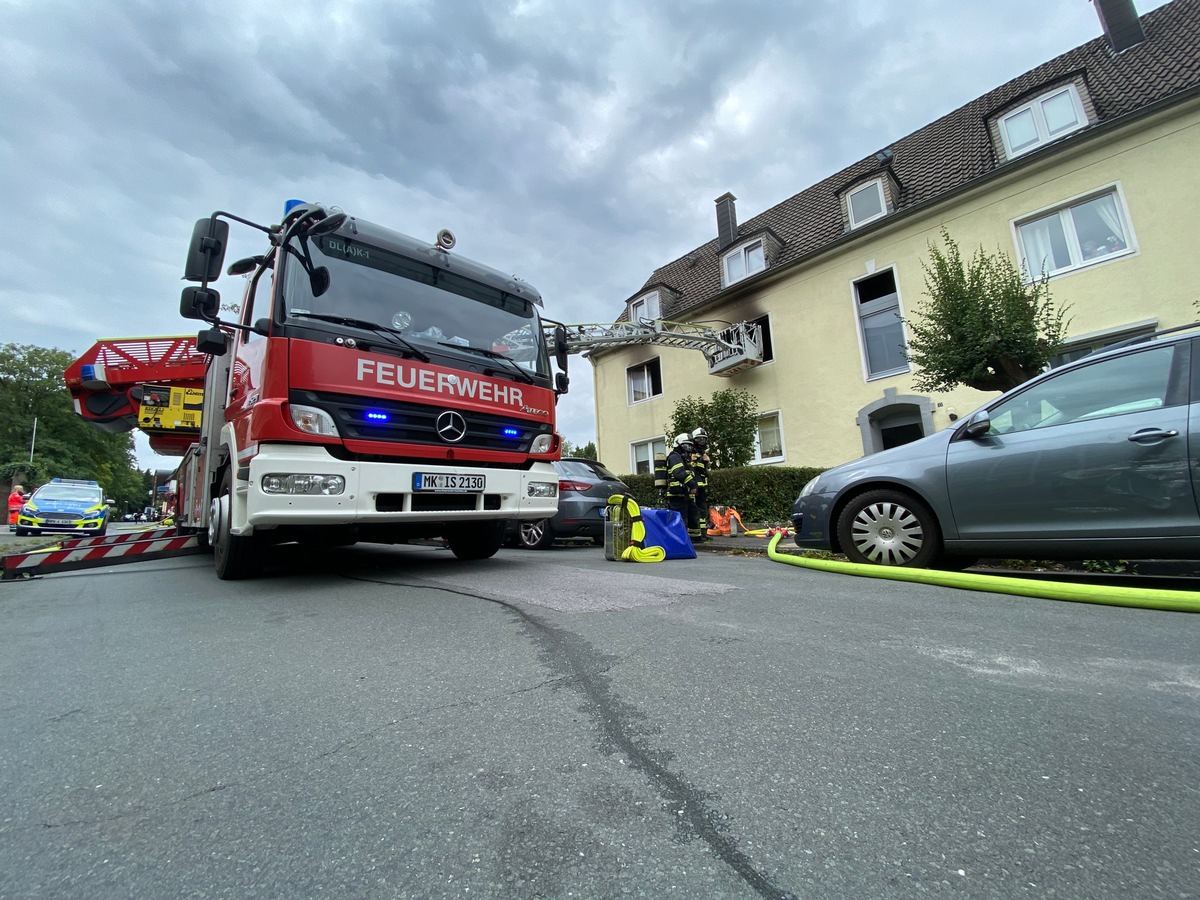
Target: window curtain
column 1106, row 208
column 1039, row 254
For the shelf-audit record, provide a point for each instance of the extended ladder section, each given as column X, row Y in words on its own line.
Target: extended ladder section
column 728, row 351
column 154, row 383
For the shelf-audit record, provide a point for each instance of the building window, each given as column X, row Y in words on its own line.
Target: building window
column 764, row 330
column 645, row 307
column 645, row 381
column 1042, row 120
column 744, row 262
column 768, row 441
column 866, row 203
column 1075, row 235
column 1079, row 347
column 643, row 452
column 880, row 326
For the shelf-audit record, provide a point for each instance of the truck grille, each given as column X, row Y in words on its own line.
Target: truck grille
column 364, row 419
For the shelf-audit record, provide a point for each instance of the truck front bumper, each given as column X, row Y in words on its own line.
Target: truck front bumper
column 378, row 492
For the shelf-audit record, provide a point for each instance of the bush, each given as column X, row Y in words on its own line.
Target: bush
column 759, row 493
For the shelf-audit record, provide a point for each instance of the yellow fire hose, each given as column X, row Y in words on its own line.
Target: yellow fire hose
column 637, row 551
column 1110, row 595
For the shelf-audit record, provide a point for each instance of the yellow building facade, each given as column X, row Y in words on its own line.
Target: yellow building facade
column 1110, row 211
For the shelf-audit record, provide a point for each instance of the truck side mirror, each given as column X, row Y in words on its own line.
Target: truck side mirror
column 199, row 303
column 560, row 347
column 561, row 382
column 206, row 252
column 212, row 342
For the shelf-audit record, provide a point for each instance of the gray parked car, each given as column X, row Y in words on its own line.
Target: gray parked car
column 584, row 487
column 1086, row 461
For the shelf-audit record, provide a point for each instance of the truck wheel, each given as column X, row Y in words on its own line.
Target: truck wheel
column 889, row 528
column 538, row 535
column 234, row 556
column 478, row 541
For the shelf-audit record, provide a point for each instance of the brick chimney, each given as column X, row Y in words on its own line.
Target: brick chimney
column 1120, row 22
column 726, row 221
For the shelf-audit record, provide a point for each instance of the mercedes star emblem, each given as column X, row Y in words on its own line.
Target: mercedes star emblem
column 451, row 427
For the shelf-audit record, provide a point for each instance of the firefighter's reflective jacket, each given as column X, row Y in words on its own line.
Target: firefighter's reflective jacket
column 681, row 481
column 700, row 463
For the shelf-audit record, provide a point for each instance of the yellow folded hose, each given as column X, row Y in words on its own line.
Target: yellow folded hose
column 1144, row 598
column 637, row 551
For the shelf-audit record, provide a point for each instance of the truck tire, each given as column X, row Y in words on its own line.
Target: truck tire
column 478, row 540
column 234, row 556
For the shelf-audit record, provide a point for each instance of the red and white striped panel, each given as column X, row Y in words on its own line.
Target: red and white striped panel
column 110, row 551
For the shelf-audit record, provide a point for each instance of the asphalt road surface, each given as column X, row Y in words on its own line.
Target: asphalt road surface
column 390, row 722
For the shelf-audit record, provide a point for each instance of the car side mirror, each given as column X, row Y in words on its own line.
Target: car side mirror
column 978, row 425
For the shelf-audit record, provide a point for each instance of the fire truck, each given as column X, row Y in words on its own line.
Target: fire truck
column 373, row 388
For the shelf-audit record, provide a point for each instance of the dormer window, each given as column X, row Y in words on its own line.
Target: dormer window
column 743, row 262
column 866, row 203
column 645, row 307
column 1042, row 120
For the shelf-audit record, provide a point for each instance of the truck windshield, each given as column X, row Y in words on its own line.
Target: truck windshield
column 426, row 305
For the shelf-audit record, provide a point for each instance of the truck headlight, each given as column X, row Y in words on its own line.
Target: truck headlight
column 311, row 420
column 541, row 443
column 543, row 489
column 281, row 483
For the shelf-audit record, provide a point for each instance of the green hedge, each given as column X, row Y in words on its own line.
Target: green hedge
column 759, row 493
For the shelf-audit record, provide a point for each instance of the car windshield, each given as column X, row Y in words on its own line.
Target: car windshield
column 68, row 493
column 426, row 305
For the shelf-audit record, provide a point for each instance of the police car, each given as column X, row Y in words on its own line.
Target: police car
column 65, row 505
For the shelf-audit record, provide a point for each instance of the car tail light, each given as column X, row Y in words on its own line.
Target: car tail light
column 580, row 486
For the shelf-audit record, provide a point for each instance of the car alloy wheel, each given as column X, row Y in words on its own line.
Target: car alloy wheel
column 537, row 535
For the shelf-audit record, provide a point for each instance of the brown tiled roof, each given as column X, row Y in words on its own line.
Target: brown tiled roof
column 957, row 148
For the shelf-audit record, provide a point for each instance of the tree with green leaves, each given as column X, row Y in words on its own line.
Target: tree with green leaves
column 985, row 324
column 728, row 417
column 65, row 446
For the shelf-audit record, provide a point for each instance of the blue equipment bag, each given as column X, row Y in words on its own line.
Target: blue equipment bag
column 665, row 528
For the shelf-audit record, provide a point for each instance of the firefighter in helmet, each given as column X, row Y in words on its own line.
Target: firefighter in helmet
column 700, row 463
column 681, row 484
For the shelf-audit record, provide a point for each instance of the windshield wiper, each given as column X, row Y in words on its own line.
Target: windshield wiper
column 492, row 354
column 390, row 333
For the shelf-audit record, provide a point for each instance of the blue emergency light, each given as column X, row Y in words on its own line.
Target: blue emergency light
column 373, row 415
column 289, row 205
column 510, row 432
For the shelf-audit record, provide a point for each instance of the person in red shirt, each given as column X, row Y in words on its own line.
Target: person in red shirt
column 15, row 501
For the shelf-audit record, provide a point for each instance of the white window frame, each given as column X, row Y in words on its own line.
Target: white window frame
column 874, row 307
column 877, row 184
column 1035, row 108
column 652, row 445
column 759, row 459
column 1083, row 344
column 742, row 253
column 645, row 307
column 644, row 368
column 1067, row 222
column 764, row 321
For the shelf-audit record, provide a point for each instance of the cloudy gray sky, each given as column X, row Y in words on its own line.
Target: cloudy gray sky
column 577, row 144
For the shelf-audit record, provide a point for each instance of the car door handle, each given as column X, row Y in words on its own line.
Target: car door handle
column 1152, row 435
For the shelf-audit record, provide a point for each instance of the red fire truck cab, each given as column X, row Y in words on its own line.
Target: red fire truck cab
column 373, row 388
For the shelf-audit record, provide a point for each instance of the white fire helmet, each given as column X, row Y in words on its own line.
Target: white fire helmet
column 681, row 439
column 700, row 436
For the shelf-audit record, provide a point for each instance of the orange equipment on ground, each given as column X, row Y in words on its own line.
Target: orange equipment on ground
column 722, row 519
